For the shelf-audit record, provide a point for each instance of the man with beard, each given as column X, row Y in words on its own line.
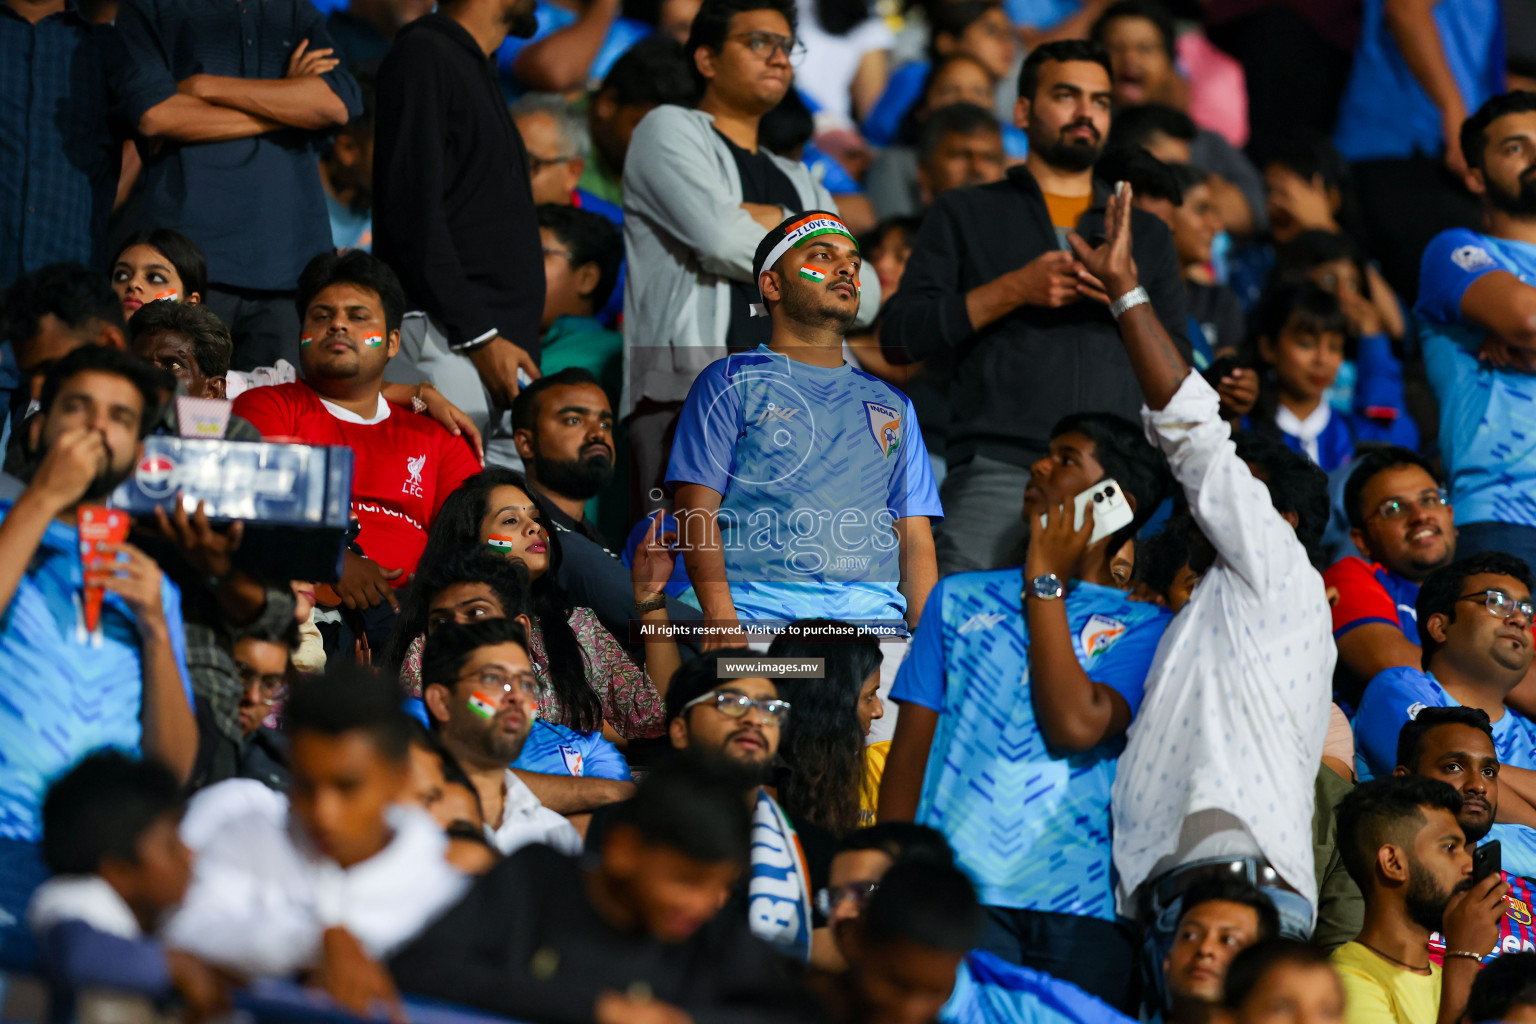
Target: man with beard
column 480, row 692
column 803, row 487
column 453, row 211
column 992, row 285
column 1403, row 846
column 1477, row 310
column 729, row 723
column 563, row 427
column 405, row 463
column 1455, row 745
column 697, row 189
column 1401, row 522
column 130, row 671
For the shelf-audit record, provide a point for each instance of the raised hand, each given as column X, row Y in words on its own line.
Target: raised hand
column 1110, row 267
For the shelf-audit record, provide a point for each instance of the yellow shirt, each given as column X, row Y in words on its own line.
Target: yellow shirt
column 869, row 790
column 1377, row 991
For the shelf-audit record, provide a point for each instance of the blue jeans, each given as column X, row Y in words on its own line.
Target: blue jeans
column 21, row 872
column 1476, row 538
column 1295, row 923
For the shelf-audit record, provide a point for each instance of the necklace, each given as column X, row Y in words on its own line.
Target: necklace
column 1393, row 959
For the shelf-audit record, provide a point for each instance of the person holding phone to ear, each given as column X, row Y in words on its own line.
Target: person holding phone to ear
column 1012, row 717
column 1456, row 745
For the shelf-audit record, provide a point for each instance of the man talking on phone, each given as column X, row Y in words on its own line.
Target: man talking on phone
column 1455, row 745
column 1015, row 697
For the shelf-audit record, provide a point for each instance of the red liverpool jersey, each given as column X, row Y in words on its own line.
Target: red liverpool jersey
column 404, row 464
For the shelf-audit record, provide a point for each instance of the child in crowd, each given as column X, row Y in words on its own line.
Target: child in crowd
column 582, row 254
column 1300, row 335
column 110, row 838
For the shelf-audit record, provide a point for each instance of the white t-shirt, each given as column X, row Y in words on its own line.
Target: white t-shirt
column 262, row 895
column 832, row 61
column 525, row 821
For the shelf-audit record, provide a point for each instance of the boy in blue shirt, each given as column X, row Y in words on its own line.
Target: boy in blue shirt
column 1019, row 717
column 1477, row 311
column 803, row 487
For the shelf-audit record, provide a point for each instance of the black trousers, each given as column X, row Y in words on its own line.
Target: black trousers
column 1097, row 956
column 264, row 325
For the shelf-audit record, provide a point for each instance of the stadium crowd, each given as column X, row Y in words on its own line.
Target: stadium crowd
column 849, row 511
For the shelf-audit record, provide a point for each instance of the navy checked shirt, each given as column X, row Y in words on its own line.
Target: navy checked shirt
column 59, row 155
column 253, row 205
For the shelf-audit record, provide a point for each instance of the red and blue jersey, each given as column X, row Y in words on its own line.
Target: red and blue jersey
column 1369, row 592
column 1517, row 928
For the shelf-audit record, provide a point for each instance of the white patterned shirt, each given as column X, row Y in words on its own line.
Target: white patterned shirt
column 1220, row 759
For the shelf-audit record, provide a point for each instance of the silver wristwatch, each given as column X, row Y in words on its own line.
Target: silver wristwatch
column 1047, row 588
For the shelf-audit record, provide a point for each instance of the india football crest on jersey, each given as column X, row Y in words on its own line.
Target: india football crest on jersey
column 1099, row 634
column 885, row 426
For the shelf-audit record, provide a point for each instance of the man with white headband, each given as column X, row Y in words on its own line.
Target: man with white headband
column 802, row 484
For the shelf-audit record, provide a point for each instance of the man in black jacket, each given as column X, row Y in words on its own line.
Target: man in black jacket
column 992, row 285
column 636, row 935
column 454, row 215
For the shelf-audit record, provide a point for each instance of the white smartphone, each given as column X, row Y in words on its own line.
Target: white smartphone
column 1111, row 512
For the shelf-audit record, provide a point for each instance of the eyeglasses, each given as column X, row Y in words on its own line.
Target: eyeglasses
column 268, row 684
column 833, row 896
column 1397, row 508
column 765, row 44
column 736, row 705
column 536, row 164
column 1501, row 604
column 497, row 682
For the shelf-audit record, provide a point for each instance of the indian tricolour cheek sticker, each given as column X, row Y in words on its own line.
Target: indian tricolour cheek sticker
column 482, row 705
column 170, row 296
column 812, row 274
column 499, row 543
column 373, row 340
column 305, row 341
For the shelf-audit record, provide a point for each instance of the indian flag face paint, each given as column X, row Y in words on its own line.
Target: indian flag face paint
column 373, row 340
column 482, row 705
column 499, row 543
column 812, row 274
column 170, row 296
column 305, row 341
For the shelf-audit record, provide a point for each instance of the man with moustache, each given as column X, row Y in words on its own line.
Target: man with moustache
column 803, row 487
column 405, row 465
column 1475, row 620
column 563, row 427
column 453, row 211
column 1404, row 847
column 1477, row 315
column 97, row 405
column 480, row 692
column 698, row 189
column 992, row 285
column 728, row 723
column 1455, row 745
